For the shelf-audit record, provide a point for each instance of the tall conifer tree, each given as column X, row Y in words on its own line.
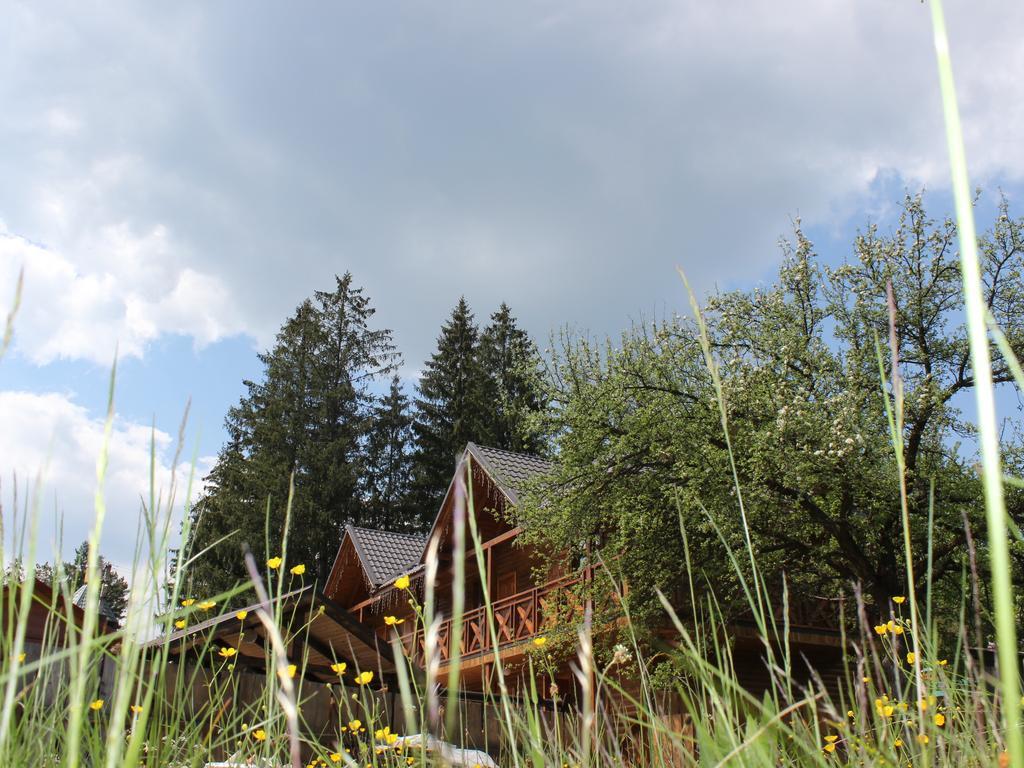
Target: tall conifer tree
column 451, row 409
column 307, row 418
column 386, row 481
column 513, row 384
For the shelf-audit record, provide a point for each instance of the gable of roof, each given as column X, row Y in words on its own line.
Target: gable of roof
column 511, row 471
column 385, row 555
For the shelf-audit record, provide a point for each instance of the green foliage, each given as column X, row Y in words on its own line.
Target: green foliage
column 308, row 419
column 387, row 467
column 513, row 387
column 641, row 449
column 477, row 387
column 450, row 408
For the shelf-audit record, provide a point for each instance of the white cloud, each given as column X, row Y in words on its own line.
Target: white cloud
column 123, row 292
column 563, row 160
column 47, row 436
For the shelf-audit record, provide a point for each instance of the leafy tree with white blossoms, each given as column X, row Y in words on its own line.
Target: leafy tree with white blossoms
column 641, row 449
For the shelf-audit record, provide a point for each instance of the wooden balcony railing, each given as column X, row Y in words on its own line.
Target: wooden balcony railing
column 516, row 619
column 536, row 611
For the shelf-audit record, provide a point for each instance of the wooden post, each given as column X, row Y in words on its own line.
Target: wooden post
column 490, row 583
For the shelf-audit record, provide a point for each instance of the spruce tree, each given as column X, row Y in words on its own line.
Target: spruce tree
column 388, row 467
column 511, row 364
column 451, row 409
column 306, row 419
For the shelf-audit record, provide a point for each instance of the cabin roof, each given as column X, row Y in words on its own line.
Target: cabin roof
column 386, row 555
column 512, row 471
column 81, row 599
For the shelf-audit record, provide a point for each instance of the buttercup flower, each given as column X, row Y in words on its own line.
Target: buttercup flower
column 355, row 725
column 274, row 563
column 911, row 657
column 899, row 599
column 391, row 621
column 364, row 678
column 188, row 601
column 21, row 656
column 259, row 734
column 880, row 629
column 339, row 668
column 939, row 719
column 540, row 642
column 180, row 624
column 207, row 605
column 227, row 653
column 241, row 615
column 96, row 705
column 298, row 570
column 402, row 582
column 335, row 757
column 136, row 709
column 292, row 669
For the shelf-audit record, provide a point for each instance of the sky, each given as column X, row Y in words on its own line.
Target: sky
column 175, row 178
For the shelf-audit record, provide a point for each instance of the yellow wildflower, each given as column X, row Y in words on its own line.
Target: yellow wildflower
column 830, row 748
column 274, row 563
column 888, row 710
column 922, row 738
column 240, row 615
column 206, row 605
column 391, row 621
column 292, row 669
column 849, row 713
column 22, row 656
column 899, row 599
column 831, row 738
column 259, row 734
column 188, row 601
column 96, row 705
column 540, row 642
column 227, row 653
column 364, row 678
column 911, row 657
column 898, row 743
column 137, row 709
column 335, row 757
column 298, row 570
column 339, row 668
column 402, row 582
column 943, row 662
column 355, row 725
column 880, row 629
column 180, row 624
column 939, row 719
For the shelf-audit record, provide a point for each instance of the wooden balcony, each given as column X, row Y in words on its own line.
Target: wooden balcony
column 516, row 620
column 534, row 612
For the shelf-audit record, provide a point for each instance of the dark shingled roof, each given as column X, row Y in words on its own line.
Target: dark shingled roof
column 80, row 599
column 510, row 470
column 386, row 554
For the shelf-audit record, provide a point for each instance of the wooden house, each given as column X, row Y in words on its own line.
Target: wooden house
column 528, row 596
column 360, row 612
